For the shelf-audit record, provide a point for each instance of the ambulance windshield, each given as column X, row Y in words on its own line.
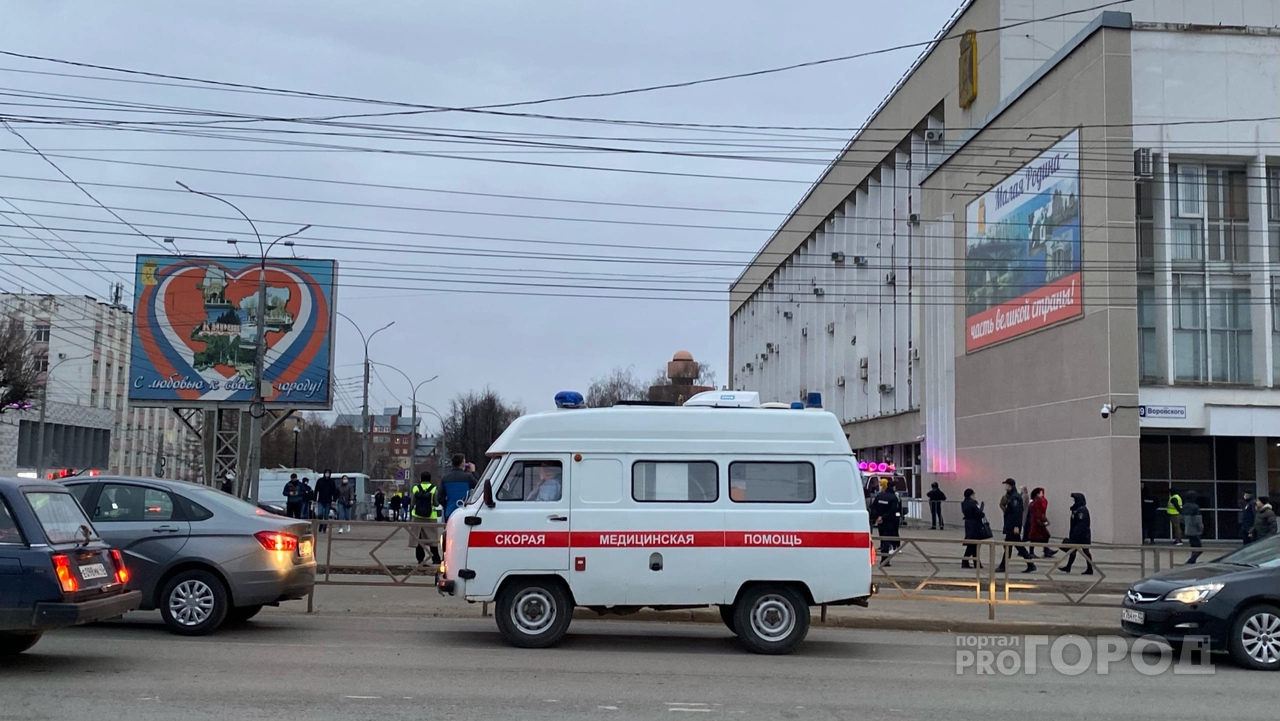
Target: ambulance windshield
column 489, row 471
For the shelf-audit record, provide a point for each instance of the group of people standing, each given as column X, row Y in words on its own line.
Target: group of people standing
column 303, row 501
column 1256, row 519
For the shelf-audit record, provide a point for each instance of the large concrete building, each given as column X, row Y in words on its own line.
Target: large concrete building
column 1046, row 216
column 83, row 345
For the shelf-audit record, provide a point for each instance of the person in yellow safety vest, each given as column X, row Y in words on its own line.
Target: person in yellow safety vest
column 1175, row 516
column 422, row 504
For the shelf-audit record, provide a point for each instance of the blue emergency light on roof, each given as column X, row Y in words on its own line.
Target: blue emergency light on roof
column 570, row 399
column 814, row 400
column 797, row 405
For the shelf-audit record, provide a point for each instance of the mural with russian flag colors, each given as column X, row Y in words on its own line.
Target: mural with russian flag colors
column 1022, row 250
column 195, row 329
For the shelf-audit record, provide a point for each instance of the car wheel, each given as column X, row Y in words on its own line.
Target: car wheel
column 12, row 644
column 194, row 603
column 240, row 614
column 726, row 615
column 1255, row 638
column 533, row 613
column 771, row 619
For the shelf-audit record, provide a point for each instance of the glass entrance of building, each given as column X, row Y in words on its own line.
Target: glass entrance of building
column 1218, row 470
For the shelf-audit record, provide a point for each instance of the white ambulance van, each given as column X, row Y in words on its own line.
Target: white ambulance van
column 717, row 503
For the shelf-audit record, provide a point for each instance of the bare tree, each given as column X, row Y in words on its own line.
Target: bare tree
column 20, row 375
column 474, row 422
column 321, row 445
column 620, row 385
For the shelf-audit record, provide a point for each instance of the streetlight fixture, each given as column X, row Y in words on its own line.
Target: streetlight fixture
column 257, row 407
column 44, row 405
column 413, row 437
column 367, row 431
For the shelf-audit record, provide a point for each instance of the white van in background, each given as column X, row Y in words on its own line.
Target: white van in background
column 719, row 503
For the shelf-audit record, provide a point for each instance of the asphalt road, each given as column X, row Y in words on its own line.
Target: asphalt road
column 348, row 667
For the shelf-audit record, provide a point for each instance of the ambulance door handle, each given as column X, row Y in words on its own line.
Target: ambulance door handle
column 560, row 519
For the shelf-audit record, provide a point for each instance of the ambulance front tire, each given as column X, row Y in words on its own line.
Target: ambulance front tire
column 533, row 612
column 771, row 620
column 726, row 615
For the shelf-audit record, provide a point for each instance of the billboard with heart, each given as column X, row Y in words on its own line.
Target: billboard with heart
column 195, row 331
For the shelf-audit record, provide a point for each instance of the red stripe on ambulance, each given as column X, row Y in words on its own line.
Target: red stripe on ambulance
column 669, row 539
column 518, row 539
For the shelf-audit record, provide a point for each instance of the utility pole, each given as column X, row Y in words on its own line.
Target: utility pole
column 257, row 406
column 366, row 428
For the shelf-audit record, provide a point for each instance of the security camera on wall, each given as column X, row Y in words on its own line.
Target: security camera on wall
column 1106, row 411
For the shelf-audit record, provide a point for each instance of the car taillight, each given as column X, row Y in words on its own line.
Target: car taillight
column 62, row 566
column 273, row 541
column 122, row 573
column 873, row 555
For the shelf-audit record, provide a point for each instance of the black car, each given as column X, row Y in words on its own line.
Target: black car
column 54, row 569
column 1234, row 601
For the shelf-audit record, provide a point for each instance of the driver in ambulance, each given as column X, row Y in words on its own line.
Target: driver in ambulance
column 546, row 484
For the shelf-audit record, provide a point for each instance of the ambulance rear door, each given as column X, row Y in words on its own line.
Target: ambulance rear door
column 527, row 530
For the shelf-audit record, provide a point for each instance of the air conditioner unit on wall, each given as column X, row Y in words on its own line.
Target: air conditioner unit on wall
column 1143, row 165
column 886, row 388
column 837, row 257
column 804, row 332
column 890, row 278
column 831, row 327
column 840, row 381
column 935, row 135
column 786, row 314
column 819, row 292
column 860, row 260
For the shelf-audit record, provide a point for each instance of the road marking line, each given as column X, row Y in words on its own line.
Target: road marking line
column 607, row 708
column 363, row 698
column 690, row 710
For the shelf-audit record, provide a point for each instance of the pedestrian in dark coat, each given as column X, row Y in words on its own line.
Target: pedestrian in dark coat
column 1013, row 520
column 1264, row 524
column 1038, row 519
column 973, row 515
column 886, row 509
column 1192, row 524
column 380, row 505
column 1248, row 513
column 1080, row 534
column 936, row 497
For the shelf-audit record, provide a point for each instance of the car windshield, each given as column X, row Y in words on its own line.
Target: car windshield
column 216, row 499
column 61, row 517
column 489, row 472
column 1264, row 554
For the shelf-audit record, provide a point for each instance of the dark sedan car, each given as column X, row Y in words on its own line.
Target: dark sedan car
column 1234, row 602
column 54, row 569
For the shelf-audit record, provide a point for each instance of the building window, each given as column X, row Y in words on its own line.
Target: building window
column 1146, row 224
column 1273, row 213
column 42, row 333
column 1228, row 215
column 1188, row 191
column 42, row 363
column 1275, row 330
column 675, row 481
column 95, row 370
column 1231, row 336
column 1148, row 351
column 771, row 482
column 1189, row 336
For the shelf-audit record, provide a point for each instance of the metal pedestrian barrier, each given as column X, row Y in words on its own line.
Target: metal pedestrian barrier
column 342, row 543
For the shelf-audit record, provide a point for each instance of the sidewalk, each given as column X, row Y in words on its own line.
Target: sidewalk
column 885, row 613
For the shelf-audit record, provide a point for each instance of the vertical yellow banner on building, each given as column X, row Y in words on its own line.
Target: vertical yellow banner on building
column 968, row 68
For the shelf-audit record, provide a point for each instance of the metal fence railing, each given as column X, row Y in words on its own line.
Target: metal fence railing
column 379, row 553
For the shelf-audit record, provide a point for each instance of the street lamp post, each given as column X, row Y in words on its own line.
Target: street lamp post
column 257, row 407
column 296, row 432
column 364, row 448
column 413, row 437
column 44, row 404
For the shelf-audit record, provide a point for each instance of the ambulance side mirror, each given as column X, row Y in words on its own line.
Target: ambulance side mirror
column 488, row 493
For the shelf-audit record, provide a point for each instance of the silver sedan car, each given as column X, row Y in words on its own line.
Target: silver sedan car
column 200, row 556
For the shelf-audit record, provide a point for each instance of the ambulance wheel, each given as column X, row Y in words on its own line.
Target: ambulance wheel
column 771, row 619
column 533, row 613
column 726, row 615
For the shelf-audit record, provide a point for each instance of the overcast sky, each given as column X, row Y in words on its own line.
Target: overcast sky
column 458, row 285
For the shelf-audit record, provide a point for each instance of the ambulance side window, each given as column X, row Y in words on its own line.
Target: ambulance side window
column 772, row 482
column 675, row 481
column 533, row 481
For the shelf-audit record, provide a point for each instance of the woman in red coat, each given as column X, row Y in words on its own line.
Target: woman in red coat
column 1038, row 526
